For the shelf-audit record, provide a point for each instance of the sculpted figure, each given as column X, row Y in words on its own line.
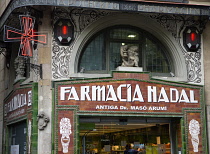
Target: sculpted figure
column 19, row 65
column 130, row 56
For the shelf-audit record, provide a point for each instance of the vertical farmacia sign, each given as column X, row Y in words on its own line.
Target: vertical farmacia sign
column 128, row 96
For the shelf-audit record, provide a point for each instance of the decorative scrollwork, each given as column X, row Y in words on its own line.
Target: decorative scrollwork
column 175, row 25
column 59, row 13
column 60, row 61
column 61, row 55
column 86, row 17
column 169, row 22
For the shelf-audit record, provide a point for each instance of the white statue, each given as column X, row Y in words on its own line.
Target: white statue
column 194, row 129
column 130, row 56
column 65, row 131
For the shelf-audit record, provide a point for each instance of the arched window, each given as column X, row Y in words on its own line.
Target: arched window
column 102, row 53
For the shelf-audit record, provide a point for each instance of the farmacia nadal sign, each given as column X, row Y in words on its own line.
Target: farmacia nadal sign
column 129, row 95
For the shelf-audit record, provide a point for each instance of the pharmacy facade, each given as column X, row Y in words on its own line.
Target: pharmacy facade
column 91, row 76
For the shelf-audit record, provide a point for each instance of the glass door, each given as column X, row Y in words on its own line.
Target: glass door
column 17, row 138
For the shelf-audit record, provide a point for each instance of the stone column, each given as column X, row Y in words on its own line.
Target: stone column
column 45, row 93
column 206, row 49
column 2, row 95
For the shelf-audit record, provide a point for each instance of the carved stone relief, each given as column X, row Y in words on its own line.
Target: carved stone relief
column 19, row 65
column 60, row 61
column 42, row 120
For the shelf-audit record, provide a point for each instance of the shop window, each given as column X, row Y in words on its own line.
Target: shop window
column 102, row 53
column 105, row 135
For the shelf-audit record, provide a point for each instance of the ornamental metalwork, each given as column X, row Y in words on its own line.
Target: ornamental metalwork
column 86, row 17
column 110, row 5
column 61, row 55
column 175, row 25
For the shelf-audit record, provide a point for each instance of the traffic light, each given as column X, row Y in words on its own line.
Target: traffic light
column 63, row 31
column 191, row 39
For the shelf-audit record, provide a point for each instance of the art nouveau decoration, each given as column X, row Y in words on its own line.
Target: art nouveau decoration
column 194, row 129
column 175, row 24
column 61, row 54
column 61, row 61
column 65, row 131
column 29, row 136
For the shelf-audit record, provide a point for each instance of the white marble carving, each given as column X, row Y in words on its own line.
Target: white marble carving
column 65, row 131
column 194, row 129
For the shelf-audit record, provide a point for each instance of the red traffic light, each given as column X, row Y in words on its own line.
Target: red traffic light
column 193, row 36
column 191, row 39
column 63, row 31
